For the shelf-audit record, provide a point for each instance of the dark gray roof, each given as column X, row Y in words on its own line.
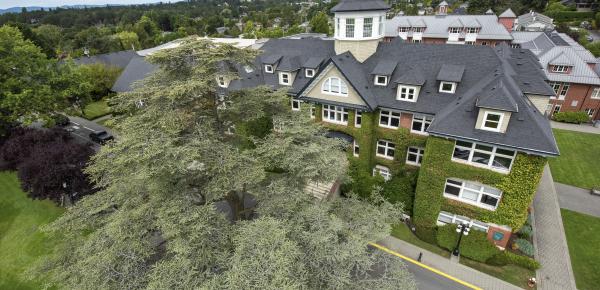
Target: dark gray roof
column 384, row 68
column 314, row 62
column 496, row 96
column 270, row 58
column 411, row 76
column 137, row 69
column 118, row 59
column 289, row 63
column 451, row 72
column 360, row 5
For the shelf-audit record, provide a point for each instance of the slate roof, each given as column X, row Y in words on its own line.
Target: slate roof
column 384, row 68
column 437, row 25
column 360, row 5
column 451, row 72
column 118, row 59
column 496, row 96
column 137, row 69
column 413, row 75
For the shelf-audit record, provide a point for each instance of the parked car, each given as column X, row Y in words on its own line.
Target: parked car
column 586, row 25
column 589, row 38
column 101, row 137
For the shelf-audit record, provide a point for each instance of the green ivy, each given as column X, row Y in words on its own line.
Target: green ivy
column 475, row 246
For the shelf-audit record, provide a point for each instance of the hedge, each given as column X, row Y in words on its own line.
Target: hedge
column 568, row 16
column 505, row 258
column 474, row 246
column 518, row 187
column 525, row 247
column 571, row 117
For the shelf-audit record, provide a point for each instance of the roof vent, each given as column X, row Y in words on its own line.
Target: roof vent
column 521, row 118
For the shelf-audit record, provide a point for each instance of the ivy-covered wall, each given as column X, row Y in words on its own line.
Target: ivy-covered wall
column 518, row 188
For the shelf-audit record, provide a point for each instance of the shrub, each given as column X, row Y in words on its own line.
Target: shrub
column 505, row 258
column 525, row 246
column 400, row 189
column 526, row 232
column 475, row 246
column 571, row 117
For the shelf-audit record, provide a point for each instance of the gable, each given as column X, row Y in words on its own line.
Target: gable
column 314, row 89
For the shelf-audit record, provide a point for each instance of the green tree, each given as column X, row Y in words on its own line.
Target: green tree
column 48, row 38
column 147, row 30
column 594, row 48
column 555, row 6
column 128, row 40
column 320, row 23
column 158, row 221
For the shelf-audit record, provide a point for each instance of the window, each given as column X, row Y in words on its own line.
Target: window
column 596, row 93
column 309, row 73
column 221, row 81
column 357, row 119
column 381, row 25
column 470, row 42
column 556, row 109
column 349, row 27
column 555, row 86
column 449, row 218
column 383, row 171
column 574, row 103
column 284, row 79
column 356, row 149
column 335, row 114
column 381, row 80
column 455, row 29
column 295, row 105
column 389, row 119
column 420, row 124
column 406, row 93
column 403, row 29
column 560, row 68
column 414, row 156
column 590, row 112
column 472, row 193
column 492, row 121
column 515, row 45
column 334, row 86
column 417, row 41
column 447, row 87
column 269, row 68
column 385, row 149
column 418, row 29
column 481, row 155
column 367, row 27
column 484, row 43
column 312, row 112
column 472, row 29
column 563, row 91
column 337, row 26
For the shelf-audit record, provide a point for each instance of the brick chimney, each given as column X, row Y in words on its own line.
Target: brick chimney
column 507, row 18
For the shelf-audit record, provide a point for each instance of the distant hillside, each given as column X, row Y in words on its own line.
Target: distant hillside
column 36, row 8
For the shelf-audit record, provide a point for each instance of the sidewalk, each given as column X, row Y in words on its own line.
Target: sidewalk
column 585, row 128
column 577, row 199
column 550, row 241
column 443, row 264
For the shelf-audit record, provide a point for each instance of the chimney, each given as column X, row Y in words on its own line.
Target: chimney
column 443, row 8
column 507, row 19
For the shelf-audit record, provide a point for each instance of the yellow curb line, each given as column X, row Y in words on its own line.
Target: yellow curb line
column 425, row 266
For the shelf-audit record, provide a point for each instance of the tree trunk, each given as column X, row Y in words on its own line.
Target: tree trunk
column 236, row 203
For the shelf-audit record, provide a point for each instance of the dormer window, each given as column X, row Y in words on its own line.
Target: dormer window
column 309, row 73
column 418, row 29
column 269, row 68
column 284, row 79
column 334, row 86
column 221, row 81
column 381, row 80
column 455, row 29
column 472, row 30
column 492, row 121
column 560, row 68
column 403, row 29
column 447, row 87
column 407, row 93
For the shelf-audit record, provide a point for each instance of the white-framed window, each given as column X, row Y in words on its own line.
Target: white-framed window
column 221, row 81
column 309, row 72
column 590, row 112
column 445, row 218
column 420, row 124
column 417, row 40
column 337, row 26
column 403, row 29
column 487, row 156
column 389, row 119
column 368, row 27
column 470, row 42
column 357, row 119
column 556, row 87
column 269, row 68
column 381, row 25
column 472, row 30
column 350, row 27
column 414, row 156
column 492, row 121
column 312, row 112
column 418, row 29
column 560, row 68
column 407, row 93
column 596, row 93
column 574, row 103
column 383, row 171
column 556, row 109
column 355, row 149
column 381, row 80
column 335, row 114
column 295, row 105
column 455, row 29
column 285, row 79
column 563, row 91
column 515, row 45
column 385, row 149
column 334, row 86
column 472, row 193
column 447, row 87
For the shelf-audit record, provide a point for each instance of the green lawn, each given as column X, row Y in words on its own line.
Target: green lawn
column 510, row 273
column 20, row 241
column 583, row 238
column 96, row 109
column 579, row 161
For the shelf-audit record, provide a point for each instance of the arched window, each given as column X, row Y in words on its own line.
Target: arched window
column 334, row 86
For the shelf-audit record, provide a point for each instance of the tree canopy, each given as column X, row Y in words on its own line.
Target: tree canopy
column 320, row 23
column 189, row 199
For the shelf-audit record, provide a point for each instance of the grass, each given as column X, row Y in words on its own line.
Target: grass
column 96, row 109
column 583, row 239
column 21, row 243
column 513, row 274
column 578, row 163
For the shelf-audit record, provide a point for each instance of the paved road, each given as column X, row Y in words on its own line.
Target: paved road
column 577, row 199
column 595, row 34
column 81, row 128
column 427, row 280
column 585, row 128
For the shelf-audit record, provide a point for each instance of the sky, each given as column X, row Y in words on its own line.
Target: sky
column 53, row 3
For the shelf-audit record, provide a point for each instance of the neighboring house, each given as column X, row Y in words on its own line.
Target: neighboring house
column 570, row 68
column 455, row 29
column 534, row 21
column 118, row 59
column 468, row 118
